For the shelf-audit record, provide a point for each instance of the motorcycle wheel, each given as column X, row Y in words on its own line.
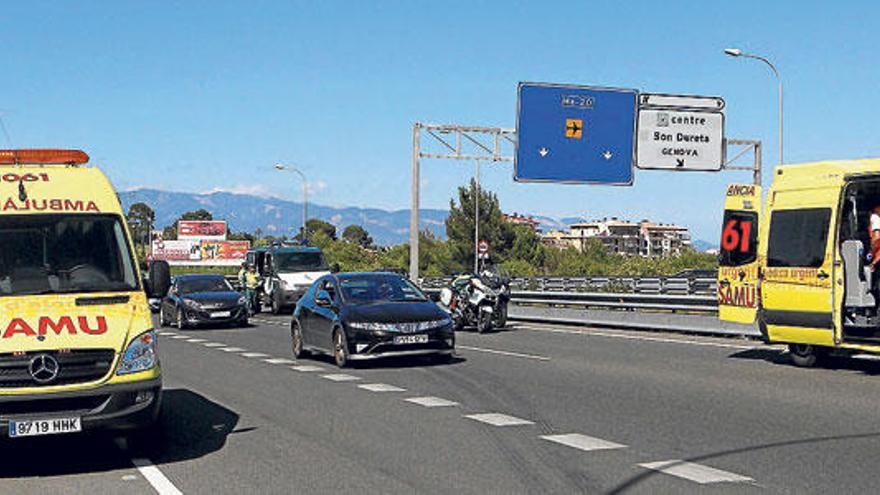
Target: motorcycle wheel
column 501, row 315
column 484, row 321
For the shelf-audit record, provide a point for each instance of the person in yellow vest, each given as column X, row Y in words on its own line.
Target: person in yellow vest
column 251, row 285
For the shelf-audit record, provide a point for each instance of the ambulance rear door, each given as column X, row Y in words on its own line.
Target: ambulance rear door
column 738, row 291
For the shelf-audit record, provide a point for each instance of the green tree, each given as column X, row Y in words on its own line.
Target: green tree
column 356, row 234
column 460, row 226
column 140, row 219
column 317, row 226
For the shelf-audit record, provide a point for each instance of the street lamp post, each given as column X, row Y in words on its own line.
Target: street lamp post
column 736, row 52
column 305, row 188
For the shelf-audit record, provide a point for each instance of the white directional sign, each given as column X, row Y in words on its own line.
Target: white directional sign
column 688, row 136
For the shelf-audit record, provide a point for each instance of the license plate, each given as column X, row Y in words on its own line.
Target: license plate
column 411, row 339
column 221, row 314
column 36, row 427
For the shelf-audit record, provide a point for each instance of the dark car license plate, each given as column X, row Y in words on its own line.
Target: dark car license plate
column 411, row 339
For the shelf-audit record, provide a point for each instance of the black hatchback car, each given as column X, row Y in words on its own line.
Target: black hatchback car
column 202, row 299
column 358, row 316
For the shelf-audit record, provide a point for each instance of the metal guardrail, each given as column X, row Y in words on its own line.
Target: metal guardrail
column 639, row 285
column 615, row 301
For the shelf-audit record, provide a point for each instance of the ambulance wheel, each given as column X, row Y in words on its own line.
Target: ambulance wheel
column 805, row 355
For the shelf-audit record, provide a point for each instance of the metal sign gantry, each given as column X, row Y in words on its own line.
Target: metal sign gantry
column 455, row 142
column 458, row 142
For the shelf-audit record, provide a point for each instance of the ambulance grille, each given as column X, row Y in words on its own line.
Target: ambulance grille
column 75, row 366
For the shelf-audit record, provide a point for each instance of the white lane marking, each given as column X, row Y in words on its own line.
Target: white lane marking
column 156, row 478
column 496, row 419
column 254, row 355
column 165, row 332
column 431, row 401
column 582, row 442
column 639, row 337
column 695, row 472
column 279, row 361
column 196, row 341
column 340, row 377
column 306, row 368
column 504, row 353
column 232, row 349
column 381, row 387
column 213, row 344
column 180, row 336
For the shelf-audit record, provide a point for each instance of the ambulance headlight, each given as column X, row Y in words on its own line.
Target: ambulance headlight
column 140, row 355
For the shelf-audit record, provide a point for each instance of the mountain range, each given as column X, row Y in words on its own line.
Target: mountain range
column 275, row 216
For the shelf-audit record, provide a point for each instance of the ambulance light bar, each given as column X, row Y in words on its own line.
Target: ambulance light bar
column 43, row 157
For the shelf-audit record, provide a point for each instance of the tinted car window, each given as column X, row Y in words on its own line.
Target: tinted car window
column 218, row 284
column 379, row 288
column 797, row 237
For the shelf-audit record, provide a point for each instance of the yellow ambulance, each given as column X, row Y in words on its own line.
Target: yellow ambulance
column 800, row 265
column 77, row 346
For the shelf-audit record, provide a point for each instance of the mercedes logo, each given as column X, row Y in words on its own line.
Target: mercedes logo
column 44, row 368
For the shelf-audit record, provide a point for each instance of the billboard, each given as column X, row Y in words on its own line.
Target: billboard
column 175, row 250
column 201, row 229
column 199, row 252
column 223, row 252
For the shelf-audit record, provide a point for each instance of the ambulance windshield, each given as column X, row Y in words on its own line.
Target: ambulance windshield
column 45, row 254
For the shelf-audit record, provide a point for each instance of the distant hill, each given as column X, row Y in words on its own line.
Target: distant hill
column 280, row 217
column 274, row 216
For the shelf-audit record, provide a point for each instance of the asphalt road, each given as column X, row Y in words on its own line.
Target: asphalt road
column 533, row 409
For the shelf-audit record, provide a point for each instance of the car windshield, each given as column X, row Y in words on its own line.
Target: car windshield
column 43, row 254
column 379, row 288
column 212, row 284
column 310, row 261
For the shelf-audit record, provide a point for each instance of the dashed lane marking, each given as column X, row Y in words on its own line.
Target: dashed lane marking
column 697, row 473
column 156, row 478
column 196, row 341
column 496, row 419
column 430, row 401
column 213, row 344
column 254, row 355
column 279, row 361
column 232, row 349
column 582, row 442
column 306, row 368
column 381, row 387
column 616, row 335
column 180, row 336
column 504, row 353
column 341, row 377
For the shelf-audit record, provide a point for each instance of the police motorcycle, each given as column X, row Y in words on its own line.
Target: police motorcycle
column 497, row 280
column 470, row 301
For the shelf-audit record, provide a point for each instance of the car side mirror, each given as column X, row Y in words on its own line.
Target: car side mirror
column 334, row 268
column 160, row 279
column 323, row 299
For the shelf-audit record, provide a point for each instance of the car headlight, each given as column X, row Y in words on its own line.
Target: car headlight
column 192, row 304
column 140, row 355
column 410, row 327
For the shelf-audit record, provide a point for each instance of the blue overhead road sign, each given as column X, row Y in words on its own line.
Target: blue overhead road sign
column 575, row 134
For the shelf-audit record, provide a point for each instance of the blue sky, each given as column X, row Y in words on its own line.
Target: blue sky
column 200, row 96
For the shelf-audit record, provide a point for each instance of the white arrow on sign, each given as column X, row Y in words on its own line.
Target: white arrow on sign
column 607, row 155
column 543, row 152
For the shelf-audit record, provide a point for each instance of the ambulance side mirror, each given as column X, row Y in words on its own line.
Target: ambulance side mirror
column 160, row 279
